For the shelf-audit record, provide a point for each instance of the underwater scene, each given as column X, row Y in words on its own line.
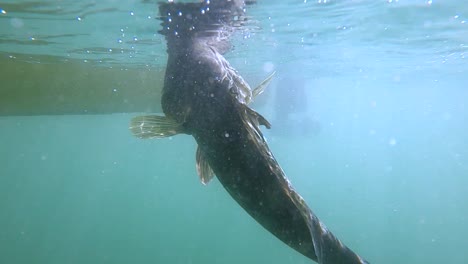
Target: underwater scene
column 368, row 106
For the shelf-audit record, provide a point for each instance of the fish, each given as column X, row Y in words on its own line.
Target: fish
column 205, row 97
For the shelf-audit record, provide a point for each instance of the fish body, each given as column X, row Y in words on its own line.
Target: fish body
column 205, row 97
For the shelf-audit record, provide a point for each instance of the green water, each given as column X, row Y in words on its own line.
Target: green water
column 81, row 189
column 384, row 163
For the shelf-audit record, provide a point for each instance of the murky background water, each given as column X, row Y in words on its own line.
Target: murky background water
column 369, row 119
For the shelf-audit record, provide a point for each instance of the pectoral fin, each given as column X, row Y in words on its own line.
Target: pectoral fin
column 203, row 168
column 261, row 87
column 154, row 126
column 257, row 118
column 245, row 88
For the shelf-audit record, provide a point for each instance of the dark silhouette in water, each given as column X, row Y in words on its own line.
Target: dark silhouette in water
column 291, row 107
column 205, row 97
